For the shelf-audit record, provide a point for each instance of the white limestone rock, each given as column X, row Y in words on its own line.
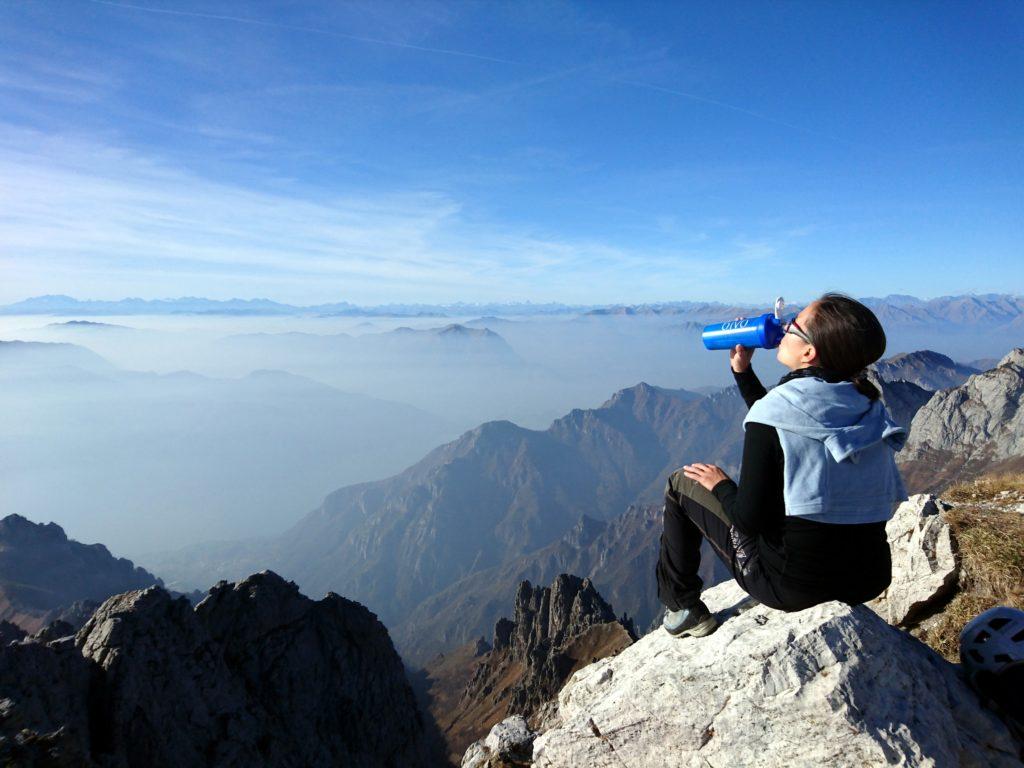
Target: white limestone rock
column 925, row 568
column 982, row 418
column 509, row 742
column 832, row 685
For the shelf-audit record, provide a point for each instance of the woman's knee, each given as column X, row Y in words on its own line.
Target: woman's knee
column 680, row 485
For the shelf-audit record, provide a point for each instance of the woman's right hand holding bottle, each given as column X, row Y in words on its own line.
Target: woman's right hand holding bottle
column 739, row 357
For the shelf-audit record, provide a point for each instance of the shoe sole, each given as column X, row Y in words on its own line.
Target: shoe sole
column 706, row 627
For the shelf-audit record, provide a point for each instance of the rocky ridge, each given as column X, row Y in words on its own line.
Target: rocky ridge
column 255, row 675
column 555, row 630
column 44, row 576
column 929, row 370
column 975, row 428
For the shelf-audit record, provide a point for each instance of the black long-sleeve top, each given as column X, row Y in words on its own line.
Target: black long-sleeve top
column 812, row 559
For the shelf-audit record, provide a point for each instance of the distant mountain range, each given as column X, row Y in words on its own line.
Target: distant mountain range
column 896, row 309
column 193, row 305
column 452, row 344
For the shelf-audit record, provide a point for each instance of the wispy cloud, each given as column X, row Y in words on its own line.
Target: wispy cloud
column 602, row 70
column 305, row 29
column 76, row 211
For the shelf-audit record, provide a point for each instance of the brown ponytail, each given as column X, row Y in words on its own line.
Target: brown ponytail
column 848, row 338
column 865, row 386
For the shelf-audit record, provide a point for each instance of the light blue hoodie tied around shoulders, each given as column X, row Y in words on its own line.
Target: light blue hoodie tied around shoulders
column 839, row 449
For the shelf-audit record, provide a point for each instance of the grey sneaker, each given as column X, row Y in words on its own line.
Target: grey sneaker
column 690, row 622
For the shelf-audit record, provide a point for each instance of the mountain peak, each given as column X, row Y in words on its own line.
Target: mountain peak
column 15, row 529
column 60, row 570
column 1014, row 357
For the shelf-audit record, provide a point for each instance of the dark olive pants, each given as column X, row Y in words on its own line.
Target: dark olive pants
column 692, row 514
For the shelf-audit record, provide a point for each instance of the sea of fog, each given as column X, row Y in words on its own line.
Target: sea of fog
column 154, row 432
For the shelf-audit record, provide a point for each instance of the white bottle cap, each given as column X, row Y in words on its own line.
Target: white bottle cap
column 780, row 304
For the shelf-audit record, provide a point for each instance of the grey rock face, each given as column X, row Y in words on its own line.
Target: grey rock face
column 550, row 615
column 44, row 715
column 556, row 630
column 256, row 675
column 924, row 565
column 831, row 685
column 509, row 743
column 982, row 418
column 547, row 620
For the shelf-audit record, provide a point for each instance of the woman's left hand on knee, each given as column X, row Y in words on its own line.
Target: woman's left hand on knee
column 708, row 475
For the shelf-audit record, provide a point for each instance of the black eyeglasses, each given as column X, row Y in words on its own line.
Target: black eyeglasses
column 791, row 327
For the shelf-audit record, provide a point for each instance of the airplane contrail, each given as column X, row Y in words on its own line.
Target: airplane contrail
column 311, row 30
column 706, row 100
column 449, row 52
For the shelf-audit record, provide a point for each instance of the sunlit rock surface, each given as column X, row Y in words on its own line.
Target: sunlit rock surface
column 831, row 685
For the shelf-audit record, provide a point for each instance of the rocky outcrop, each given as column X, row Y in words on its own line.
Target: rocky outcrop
column 831, row 685
column 925, row 567
column 972, row 429
column 43, row 573
column 555, row 630
column 929, row 370
column 509, row 744
column 255, row 675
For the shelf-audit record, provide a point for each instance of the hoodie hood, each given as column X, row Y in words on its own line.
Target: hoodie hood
column 835, row 414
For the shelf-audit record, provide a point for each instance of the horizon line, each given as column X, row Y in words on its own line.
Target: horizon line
column 463, row 303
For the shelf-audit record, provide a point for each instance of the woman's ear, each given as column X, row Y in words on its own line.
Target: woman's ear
column 809, row 355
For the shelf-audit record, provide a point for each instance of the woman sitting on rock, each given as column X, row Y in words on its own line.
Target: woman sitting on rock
column 806, row 524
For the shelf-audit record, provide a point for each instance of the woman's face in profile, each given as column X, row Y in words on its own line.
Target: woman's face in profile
column 794, row 352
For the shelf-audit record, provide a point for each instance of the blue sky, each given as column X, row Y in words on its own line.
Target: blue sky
column 578, row 152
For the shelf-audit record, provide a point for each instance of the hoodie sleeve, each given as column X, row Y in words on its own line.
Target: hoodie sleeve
column 751, row 389
column 756, row 505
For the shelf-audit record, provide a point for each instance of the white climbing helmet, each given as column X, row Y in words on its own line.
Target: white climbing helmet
column 992, row 641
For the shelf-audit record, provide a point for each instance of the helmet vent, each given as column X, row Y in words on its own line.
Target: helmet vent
column 976, row 656
column 1002, row 658
column 998, row 623
column 1018, row 637
column 982, row 636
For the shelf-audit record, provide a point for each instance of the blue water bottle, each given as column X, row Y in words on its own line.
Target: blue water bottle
column 762, row 331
